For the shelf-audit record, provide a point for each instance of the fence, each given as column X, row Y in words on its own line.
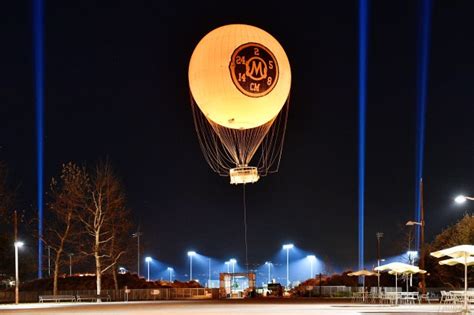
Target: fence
column 120, row 295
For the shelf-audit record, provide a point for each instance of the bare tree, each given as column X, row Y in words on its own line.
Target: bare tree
column 106, row 202
column 120, row 230
column 67, row 197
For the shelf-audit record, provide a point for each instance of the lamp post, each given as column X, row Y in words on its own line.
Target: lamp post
column 233, row 261
column 311, row 259
column 287, row 247
column 190, row 255
column 137, row 235
column 148, row 261
column 17, row 244
column 170, row 270
column 378, row 235
column 70, row 263
column 227, row 263
column 269, row 264
column 209, row 281
column 422, row 240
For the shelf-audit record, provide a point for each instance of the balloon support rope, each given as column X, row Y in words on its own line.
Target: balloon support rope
column 245, row 230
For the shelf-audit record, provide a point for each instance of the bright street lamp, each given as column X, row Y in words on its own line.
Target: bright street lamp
column 311, row 259
column 170, row 270
column 148, row 261
column 287, row 247
column 462, row 199
column 190, row 255
column 17, row 244
column 269, row 264
column 228, row 266
column 233, row 261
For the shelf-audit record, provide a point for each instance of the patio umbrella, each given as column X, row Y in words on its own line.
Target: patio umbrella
column 461, row 254
column 362, row 273
column 397, row 268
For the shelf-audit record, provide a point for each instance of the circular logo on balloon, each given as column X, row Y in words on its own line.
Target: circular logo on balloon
column 254, row 69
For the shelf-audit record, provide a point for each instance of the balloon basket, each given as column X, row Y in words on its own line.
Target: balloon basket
column 243, row 175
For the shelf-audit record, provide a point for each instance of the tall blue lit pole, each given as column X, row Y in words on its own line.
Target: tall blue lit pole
column 422, row 90
column 363, row 25
column 38, row 46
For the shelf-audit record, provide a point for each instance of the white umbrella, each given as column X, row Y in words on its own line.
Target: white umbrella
column 362, row 273
column 461, row 254
column 397, row 268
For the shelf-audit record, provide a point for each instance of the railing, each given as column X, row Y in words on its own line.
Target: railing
column 118, row 295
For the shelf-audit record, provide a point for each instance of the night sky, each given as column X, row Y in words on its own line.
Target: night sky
column 116, row 86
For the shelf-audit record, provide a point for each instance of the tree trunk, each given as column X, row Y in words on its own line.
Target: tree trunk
column 56, row 272
column 114, row 275
column 98, row 273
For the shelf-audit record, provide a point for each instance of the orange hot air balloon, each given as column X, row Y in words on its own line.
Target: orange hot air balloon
column 240, row 80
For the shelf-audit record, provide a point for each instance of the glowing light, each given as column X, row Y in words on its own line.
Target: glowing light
column 19, row 244
column 148, row 259
column 191, row 253
column 288, row 246
column 460, row 199
column 311, row 257
column 363, row 25
column 422, row 91
column 38, row 44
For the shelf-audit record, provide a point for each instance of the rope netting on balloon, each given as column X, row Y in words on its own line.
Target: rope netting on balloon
column 225, row 148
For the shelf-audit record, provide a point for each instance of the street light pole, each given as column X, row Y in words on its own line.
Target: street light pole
column 422, row 240
column 269, row 264
column 17, row 276
column 311, row 259
column 379, row 235
column 171, row 273
column 137, row 235
column 228, row 266
column 209, row 282
column 233, row 261
column 191, row 254
column 288, row 247
column 148, row 260
column 70, row 263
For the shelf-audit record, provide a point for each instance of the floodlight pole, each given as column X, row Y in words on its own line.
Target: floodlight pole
column 287, row 267
column 269, row 264
column 190, row 267
column 422, row 240
column 137, row 235
column 379, row 235
column 70, row 263
column 209, row 282
column 17, row 277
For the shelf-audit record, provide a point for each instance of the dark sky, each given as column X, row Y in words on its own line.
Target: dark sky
column 116, row 85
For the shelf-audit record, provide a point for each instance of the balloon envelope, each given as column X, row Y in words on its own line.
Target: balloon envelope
column 239, row 76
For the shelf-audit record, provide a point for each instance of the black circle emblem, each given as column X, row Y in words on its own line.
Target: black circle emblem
column 254, row 69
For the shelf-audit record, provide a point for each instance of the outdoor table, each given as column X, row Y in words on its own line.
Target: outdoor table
column 409, row 297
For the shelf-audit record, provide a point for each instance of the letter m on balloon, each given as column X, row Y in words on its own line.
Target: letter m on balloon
column 256, row 70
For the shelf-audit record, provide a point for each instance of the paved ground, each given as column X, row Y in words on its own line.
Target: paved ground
column 243, row 307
